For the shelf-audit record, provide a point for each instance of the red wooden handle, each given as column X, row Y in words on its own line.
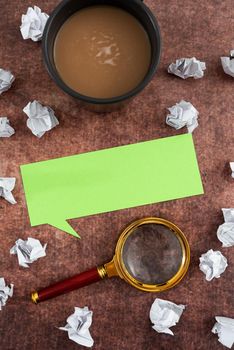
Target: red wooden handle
column 65, row 286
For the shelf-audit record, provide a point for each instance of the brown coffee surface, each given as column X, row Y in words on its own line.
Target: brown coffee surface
column 102, row 51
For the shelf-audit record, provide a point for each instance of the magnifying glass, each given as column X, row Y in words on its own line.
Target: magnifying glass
column 152, row 254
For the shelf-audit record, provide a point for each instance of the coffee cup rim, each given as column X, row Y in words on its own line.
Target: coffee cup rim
column 54, row 74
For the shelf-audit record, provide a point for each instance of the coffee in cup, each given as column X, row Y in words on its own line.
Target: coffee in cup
column 102, row 51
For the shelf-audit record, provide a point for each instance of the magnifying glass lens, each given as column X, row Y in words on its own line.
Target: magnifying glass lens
column 152, row 254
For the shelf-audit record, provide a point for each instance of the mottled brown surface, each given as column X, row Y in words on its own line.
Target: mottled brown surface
column 189, row 28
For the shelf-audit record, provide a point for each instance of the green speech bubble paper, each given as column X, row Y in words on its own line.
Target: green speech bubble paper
column 110, row 179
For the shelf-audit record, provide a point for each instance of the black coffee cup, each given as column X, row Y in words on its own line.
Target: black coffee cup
column 66, row 9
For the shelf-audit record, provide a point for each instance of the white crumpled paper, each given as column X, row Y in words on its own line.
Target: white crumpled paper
column 228, row 64
column 228, row 214
column 5, row 129
column 78, row 326
column 40, row 118
column 28, row 251
column 165, row 314
column 225, row 232
column 7, row 185
column 5, row 292
column 212, row 264
column 33, row 24
column 183, row 114
column 224, row 327
column 187, row 68
column 6, row 80
column 232, row 168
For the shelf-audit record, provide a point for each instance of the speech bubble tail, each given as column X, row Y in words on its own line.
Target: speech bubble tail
column 63, row 225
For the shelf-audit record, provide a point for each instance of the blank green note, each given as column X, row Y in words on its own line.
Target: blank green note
column 110, row 179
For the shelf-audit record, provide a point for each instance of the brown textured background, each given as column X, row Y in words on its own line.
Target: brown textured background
column 120, row 321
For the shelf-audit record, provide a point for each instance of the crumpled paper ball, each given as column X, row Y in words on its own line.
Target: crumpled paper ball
column 7, row 184
column 6, row 80
column 165, row 314
column 33, row 24
column 78, row 325
column 213, row 264
column 183, row 114
column 187, row 68
column 28, row 251
column 6, row 129
column 5, row 292
column 228, row 64
column 40, row 118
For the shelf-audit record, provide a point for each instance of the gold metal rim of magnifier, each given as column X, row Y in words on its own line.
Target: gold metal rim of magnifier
column 116, row 266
